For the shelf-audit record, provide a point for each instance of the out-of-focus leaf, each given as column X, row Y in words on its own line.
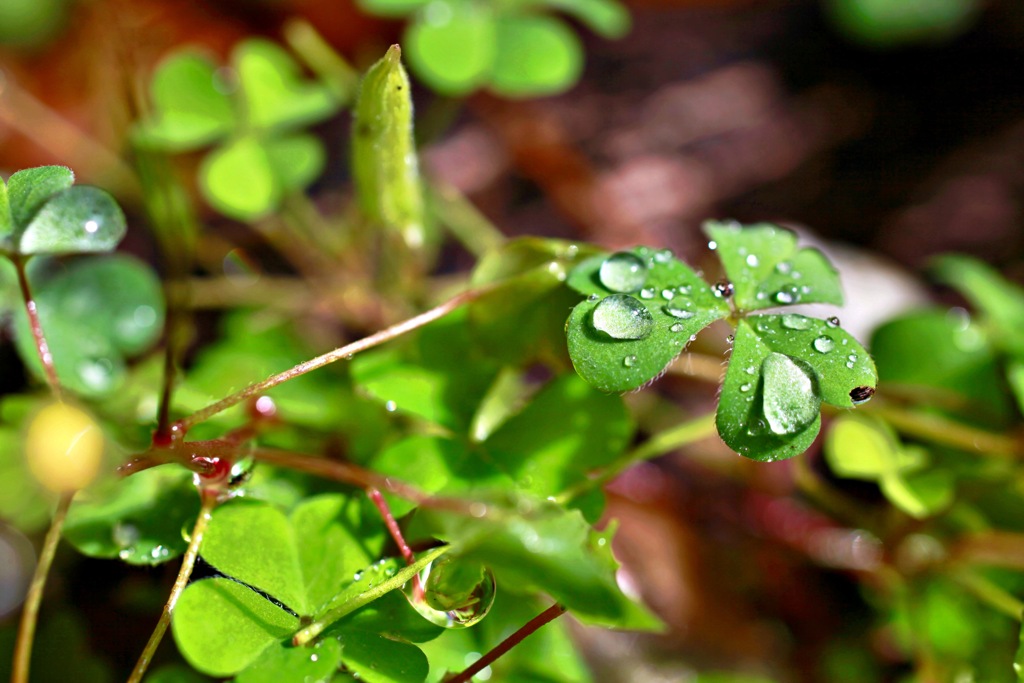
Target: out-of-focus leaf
column 999, row 301
column 139, row 519
column 190, row 107
column 273, row 93
column 536, row 55
column 94, row 313
column 432, row 42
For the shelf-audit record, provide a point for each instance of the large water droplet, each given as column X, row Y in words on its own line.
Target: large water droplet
column 620, row 316
column 623, row 272
column 457, row 593
column 796, row 322
column 823, row 344
column 790, row 403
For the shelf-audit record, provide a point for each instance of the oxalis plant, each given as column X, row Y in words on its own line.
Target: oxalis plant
column 420, row 503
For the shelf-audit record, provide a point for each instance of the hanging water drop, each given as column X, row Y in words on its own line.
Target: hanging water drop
column 623, row 272
column 457, row 593
column 620, row 316
column 823, row 344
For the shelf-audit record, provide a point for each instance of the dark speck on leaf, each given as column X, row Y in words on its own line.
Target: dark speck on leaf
column 861, row 394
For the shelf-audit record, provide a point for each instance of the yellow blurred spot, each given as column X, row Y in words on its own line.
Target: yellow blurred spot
column 64, row 448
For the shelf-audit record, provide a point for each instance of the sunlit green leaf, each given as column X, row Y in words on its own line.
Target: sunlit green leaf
column 677, row 302
column 302, row 562
column 284, row 662
column 439, row 376
column 378, row 659
column 567, row 430
column 523, row 318
column 544, row 547
column 535, row 55
column 767, row 269
column 222, row 626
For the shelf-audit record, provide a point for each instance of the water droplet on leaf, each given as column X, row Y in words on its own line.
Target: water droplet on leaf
column 677, row 327
column 620, row 316
column 628, row 361
column 823, row 344
column 663, row 256
column 647, row 293
column 623, row 272
column 832, row 321
column 790, row 402
column 667, row 294
column 796, row 322
column 752, row 260
column 677, row 312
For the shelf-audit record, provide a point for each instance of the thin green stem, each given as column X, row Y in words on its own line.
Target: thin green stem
column 661, row 443
column 941, row 430
column 306, row 635
column 548, row 615
column 344, row 352
column 30, row 613
column 188, row 562
column 991, row 594
column 463, row 220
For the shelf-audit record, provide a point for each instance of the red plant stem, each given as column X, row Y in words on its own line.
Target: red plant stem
column 396, row 535
column 30, row 614
column 365, row 479
column 391, row 524
column 550, row 614
column 36, row 326
column 188, row 562
column 340, row 353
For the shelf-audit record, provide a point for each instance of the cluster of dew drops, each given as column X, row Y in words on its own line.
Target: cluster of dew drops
column 620, row 315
